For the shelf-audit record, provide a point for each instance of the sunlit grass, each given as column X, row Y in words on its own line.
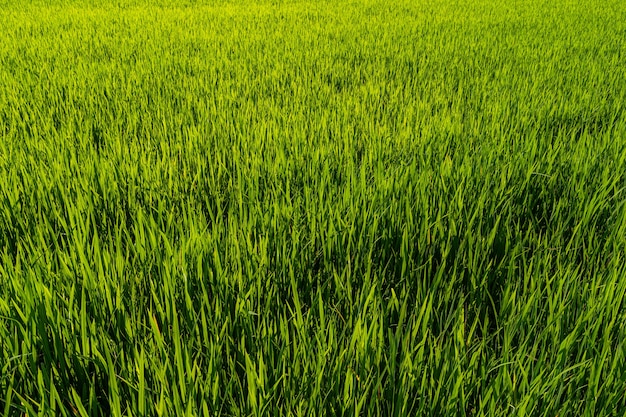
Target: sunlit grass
column 289, row 208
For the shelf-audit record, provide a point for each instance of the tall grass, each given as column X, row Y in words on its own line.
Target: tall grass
column 322, row 208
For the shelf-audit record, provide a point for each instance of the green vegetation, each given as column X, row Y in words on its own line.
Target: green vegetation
column 326, row 208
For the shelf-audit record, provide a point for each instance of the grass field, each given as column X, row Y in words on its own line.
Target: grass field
column 394, row 208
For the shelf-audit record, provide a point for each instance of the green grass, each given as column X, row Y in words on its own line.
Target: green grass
column 313, row 208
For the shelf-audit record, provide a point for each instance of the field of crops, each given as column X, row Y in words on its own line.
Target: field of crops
column 394, row 208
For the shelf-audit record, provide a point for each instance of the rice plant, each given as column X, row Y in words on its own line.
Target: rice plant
column 312, row 208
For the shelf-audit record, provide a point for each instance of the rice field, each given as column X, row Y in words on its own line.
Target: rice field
column 351, row 208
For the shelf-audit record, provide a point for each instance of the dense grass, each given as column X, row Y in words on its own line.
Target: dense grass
column 324, row 208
